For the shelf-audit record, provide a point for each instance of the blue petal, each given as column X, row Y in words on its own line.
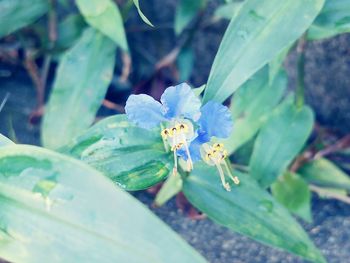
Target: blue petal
column 180, row 101
column 144, row 111
column 194, row 151
column 215, row 120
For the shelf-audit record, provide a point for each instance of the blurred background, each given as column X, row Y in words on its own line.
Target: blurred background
column 160, row 57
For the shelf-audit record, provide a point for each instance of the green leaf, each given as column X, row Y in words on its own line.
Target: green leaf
column 186, row 10
column 198, row 91
column 255, row 36
column 16, row 14
column 228, row 11
column 143, row 17
column 252, row 105
column 104, row 15
column 81, row 82
column 325, row 173
column 293, row 192
column 131, row 156
column 248, row 210
column 69, row 30
column 334, row 19
column 5, row 141
column 279, row 141
column 185, row 62
column 276, row 65
column 57, row 207
column 171, row 187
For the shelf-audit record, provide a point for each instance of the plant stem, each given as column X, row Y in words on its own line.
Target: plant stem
column 300, row 91
column 328, row 194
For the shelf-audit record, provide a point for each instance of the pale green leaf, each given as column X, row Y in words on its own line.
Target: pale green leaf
column 69, row 30
column 293, row 192
column 198, row 91
column 185, row 63
column 325, row 173
column 104, row 15
column 276, row 64
column 171, row 187
column 279, row 141
column 186, row 10
column 254, row 37
column 248, row 210
column 57, row 209
column 228, row 11
column 251, row 106
column 144, row 18
column 334, row 19
column 15, row 14
column 132, row 157
column 80, row 85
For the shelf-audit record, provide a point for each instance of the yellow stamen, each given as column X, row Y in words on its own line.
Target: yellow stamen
column 175, row 164
column 233, row 178
column 165, row 133
column 219, row 146
column 189, row 159
column 216, row 155
column 222, row 177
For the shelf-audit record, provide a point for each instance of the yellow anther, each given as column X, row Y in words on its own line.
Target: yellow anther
column 183, row 127
column 179, row 145
column 235, row 180
column 208, row 157
column 165, row 133
column 223, row 155
column 218, row 146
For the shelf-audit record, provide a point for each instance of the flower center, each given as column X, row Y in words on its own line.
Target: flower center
column 216, row 155
column 178, row 135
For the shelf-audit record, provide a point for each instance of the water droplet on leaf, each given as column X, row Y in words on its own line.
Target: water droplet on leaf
column 266, row 206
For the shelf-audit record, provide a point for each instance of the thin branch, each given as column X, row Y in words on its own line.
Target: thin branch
column 126, row 59
column 113, row 106
column 301, row 160
column 33, row 71
column 343, row 143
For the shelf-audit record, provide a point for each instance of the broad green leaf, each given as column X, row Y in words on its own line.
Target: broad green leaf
column 251, row 106
column 15, row 14
column 248, row 210
column 69, row 30
column 325, row 173
column 334, row 19
column 293, row 192
column 144, row 18
column 81, row 82
column 186, row 10
column 228, row 11
column 279, row 141
column 185, row 63
column 171, row 187
column 59, row 209
column 132, row 157
column 104, row 15
column 5, row 141
column 255, row 36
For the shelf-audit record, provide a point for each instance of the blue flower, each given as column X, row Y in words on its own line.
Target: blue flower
column 187, row 128
column 179, row 107
column 177, row 102
column 215, row 121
